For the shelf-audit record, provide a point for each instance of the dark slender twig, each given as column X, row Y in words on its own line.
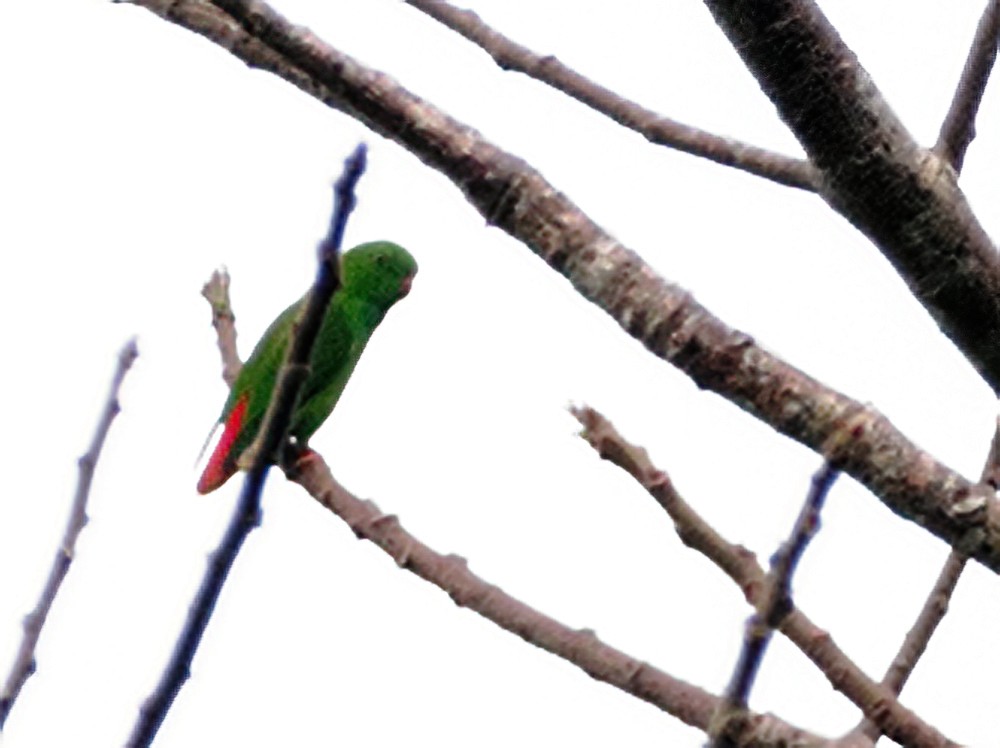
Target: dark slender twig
column 657, row 129
column 581, row 647
column 272, row 435
column 688, row 703
column 24, row 661
column 216, row 291
column 739, row 564
column 661, row 315
column 959, row 126
column 934, row 609
column 774, row 606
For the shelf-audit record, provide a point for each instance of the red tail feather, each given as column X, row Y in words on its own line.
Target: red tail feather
column 222, row 464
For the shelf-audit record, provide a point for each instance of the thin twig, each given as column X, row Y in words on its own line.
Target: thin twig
column 662, row 316
column 959, row 126
column 874, row 699
column 216, row 291
column 657, row 129
column 451, row 573
column 24, row 661
column 775, row 604
column 273, row 433
column 933, row 611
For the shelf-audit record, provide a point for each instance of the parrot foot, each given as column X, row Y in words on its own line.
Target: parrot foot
column 296, row 458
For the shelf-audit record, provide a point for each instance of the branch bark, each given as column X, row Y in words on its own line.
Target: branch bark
column 934, row 609
column 216, row 292
column 657, row 129
column 24, row 661
column 774, row 605
column 959, row 127
column 853, row 437
column 873, row 699
column 686, row 702
column 903, row 197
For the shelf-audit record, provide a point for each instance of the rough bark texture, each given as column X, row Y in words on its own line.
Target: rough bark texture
column 688, row 703
column 903, row 197
column 510, row 194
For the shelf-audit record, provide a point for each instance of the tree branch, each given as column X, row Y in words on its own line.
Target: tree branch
column 904, row 198
column 216, row 291
column 934, row 609
column 739, row 564
column 855, row 438
column 24, row 662
column 686, row 702
column 774, row 605
column 272, row 435
column 657, row 129
column 959, row 127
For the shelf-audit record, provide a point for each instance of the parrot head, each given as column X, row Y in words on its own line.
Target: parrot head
column 382, row 269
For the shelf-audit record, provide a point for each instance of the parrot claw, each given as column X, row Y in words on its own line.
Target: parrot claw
column 296, row 458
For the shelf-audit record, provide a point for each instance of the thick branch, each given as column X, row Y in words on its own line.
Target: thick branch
column 512, row 195
column 903, row 197
column 657, row 129
column 874, row 699
column 24, row 662
column 959, row 126
column 686, row 702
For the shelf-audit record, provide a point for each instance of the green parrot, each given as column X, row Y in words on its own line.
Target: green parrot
column 373, row 277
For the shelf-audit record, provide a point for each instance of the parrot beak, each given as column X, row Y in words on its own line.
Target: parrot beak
column 404, row 287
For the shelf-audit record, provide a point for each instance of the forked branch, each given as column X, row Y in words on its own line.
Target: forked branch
column 853, row 437
column 959, row 126
column 657, row 129
column 873, row 699
column 686, row 702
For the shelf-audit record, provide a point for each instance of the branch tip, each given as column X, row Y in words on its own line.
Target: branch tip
column 25, row 664
column 266, row 448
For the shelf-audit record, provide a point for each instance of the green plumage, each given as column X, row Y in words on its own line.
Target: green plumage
column 374, row 276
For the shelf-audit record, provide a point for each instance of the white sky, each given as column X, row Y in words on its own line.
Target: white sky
column 136, row 158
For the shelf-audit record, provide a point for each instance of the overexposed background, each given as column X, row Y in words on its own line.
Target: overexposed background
column 136, row 157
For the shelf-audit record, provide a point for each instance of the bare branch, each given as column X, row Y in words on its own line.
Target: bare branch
column 991, row 470
column 686, row 702
column 874, row 699
column 934, row 609
column 216, row 291
column 855, row 438
column 959, row 127
column 272, row 435
column 24, row 662
column 903, row 197
column 657, row 129
column 774, row 605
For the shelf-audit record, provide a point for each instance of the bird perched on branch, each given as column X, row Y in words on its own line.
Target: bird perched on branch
column 373, row 277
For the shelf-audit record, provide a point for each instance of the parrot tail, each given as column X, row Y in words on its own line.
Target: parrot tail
column 222, row 464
